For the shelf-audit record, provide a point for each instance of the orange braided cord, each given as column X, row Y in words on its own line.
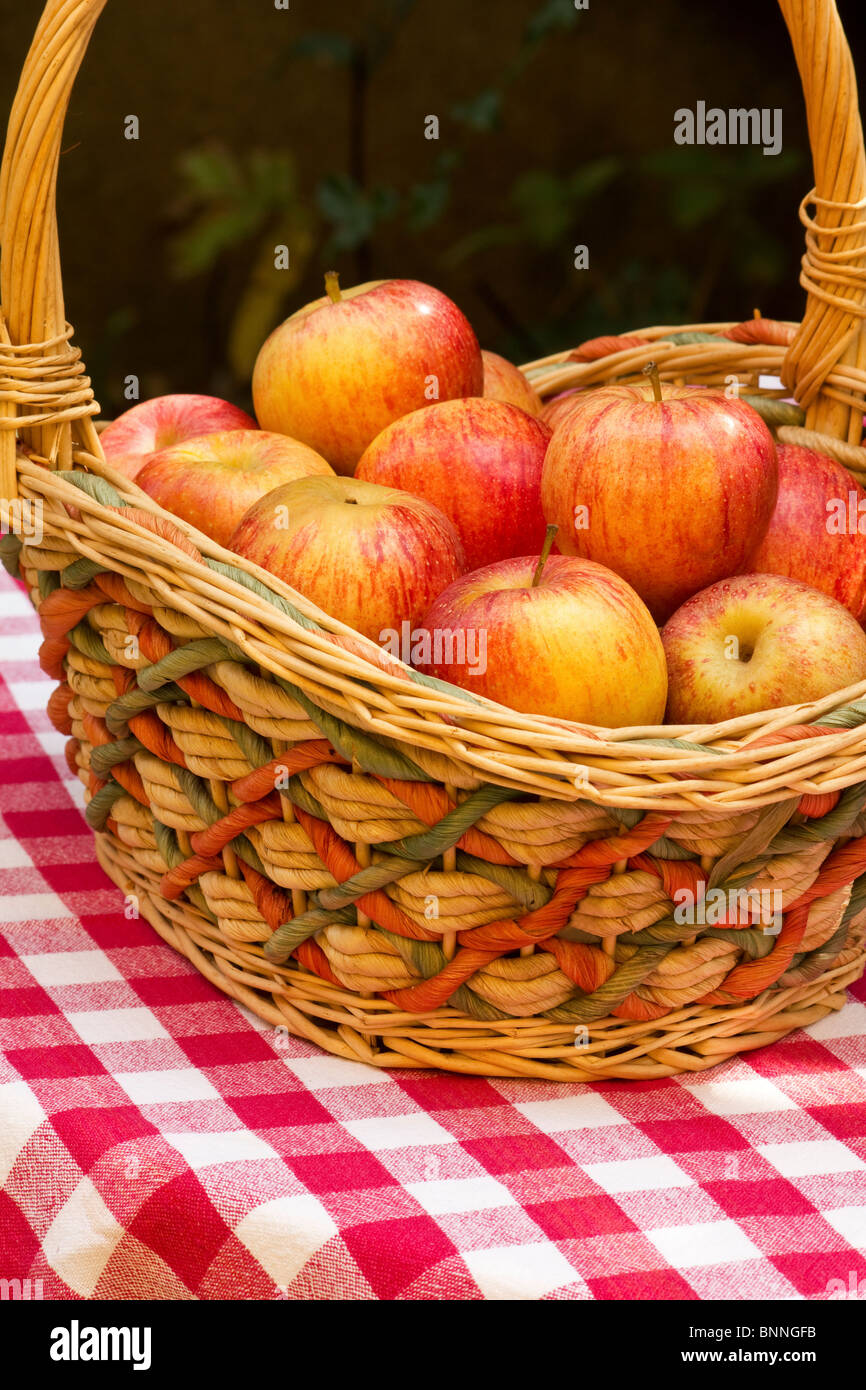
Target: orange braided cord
column 51, row 654
column 338, row 858
column 587, row 966
column 114, row 588
column 160, row 526
column 58, row 708
column 768, row 331
column 675, row 874
column 430, row 804
column 260, row 781
column 618, row 847
column 639, row 1010
column 311, row 955
column 811, row 804
column 749, row 980
column 594, row 348
column 61, row 611
column 150, row 730
column 504, row 935
column 172, row 884
column 217, row 836
column 433, row 993
column 69, row 752
column 274, row 905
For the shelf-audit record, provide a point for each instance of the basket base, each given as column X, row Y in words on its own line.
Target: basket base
column 374, row 1031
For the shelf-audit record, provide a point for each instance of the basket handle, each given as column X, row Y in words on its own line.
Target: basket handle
column 833, row 330
column 34, row 339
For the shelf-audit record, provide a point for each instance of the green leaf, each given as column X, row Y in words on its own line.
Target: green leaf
column 483, row 112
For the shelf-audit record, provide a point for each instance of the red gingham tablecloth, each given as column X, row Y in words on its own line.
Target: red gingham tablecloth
column 158, row 1141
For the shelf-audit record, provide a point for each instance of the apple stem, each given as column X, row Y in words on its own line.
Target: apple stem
column 332, row 285
column 549, row 535
column 652, row 371
column 756, row 313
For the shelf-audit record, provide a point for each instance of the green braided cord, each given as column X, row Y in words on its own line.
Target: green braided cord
column 166, row 843
column 192, row 656
column 368, row 880
column 105, row 756
column 529, row 892
column 673, row 743
column 125, row 707
column 304, row 800
column 254, row 748
column 857, row 901
column 845, row 717
column 756, row 843
column 90, row 643
column 246, row 851
column 255, row 586
column 280, row 945
column 591, row 1007
column 813, row 963
column 47, row 581
column 197, row 897
column 370, row 755
column 627, row 816
column 10, row 551
column 198, row 795
column 429, row 844
column 79, row 573
column 693, row 336
column 468, row 1002
column 830, row 827
column 670, row 849
column 755, row 941
column 100, row 804
column 775, row 412
column 97, row 488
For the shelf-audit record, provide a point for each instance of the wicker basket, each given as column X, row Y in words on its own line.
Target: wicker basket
column 376, row 861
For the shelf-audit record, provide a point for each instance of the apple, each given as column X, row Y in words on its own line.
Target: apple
column 212, row 481
column 371, row 556
column 814, row 533
column 560, row 636
column 342, row 368
column 152, row 425
column 554, row 411
column 505, row 382
column 671, row 487
column 478, row 460
column 755, row 642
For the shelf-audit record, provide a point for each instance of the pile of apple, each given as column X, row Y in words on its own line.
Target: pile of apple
column 411, row 486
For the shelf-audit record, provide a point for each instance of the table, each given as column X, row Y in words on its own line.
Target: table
column 157, row 1141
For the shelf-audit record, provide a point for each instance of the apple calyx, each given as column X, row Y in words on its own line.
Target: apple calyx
column 332, row 286
column 549, row 535
column 652, row 371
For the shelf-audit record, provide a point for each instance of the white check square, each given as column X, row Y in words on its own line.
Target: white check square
column 117, row 1025
column 651, row 1174
column 81, row 1239
column 519, row 1271
column 322, row 1073
column 848, row 1022
column 753, row 1095
column 850, row 1222
column 811, row 1157
column 460, row 1194
column 71, row 968
column 706, row 1243
column 166, row 1087
column 283, row 1235
column 398, row 1131
column 584, row 1111
column 31, row 907
column 202, row 1150
column 20, row 1117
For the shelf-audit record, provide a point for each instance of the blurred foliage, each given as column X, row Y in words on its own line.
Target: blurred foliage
column 234, row 209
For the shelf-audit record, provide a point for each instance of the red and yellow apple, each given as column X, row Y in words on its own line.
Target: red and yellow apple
column 212, row 481
column 554, row 410
column 757, row 642
column 373, row 557
column 505, row 382
column 670, row 487
column 814, row 533
column 579, row 644
column 478, row 460
column 342, row 368
column 144, row 429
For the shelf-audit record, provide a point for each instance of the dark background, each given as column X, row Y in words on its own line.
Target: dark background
column 305, row 127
